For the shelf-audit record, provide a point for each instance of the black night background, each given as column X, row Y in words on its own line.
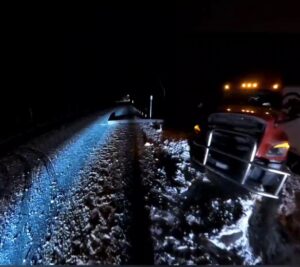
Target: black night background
column 92, row 171
column 60, row 63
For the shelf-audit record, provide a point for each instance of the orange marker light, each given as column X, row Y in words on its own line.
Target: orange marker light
column 285, row 145
column 197, row 129
column 226, row 87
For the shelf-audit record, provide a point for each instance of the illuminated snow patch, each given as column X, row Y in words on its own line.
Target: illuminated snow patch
column 181, row 148
column 240, row 229
column 36, row 209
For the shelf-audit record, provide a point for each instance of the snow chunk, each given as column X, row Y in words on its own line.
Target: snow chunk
column 191, row 219
column 236, row 235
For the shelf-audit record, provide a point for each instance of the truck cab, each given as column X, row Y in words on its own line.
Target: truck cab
column 244, row 141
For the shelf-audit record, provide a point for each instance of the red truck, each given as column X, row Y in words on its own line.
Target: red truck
column 247, row 140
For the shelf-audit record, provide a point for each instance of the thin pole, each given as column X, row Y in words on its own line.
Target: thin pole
column 150, row 111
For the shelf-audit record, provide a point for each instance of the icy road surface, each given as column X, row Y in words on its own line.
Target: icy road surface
column 122, row 192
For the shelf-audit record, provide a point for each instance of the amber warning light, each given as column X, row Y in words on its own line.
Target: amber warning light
column 249, row 85
column 197, row 129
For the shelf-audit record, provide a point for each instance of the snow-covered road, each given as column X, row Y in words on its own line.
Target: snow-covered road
column 118, row 192
column 38, row 177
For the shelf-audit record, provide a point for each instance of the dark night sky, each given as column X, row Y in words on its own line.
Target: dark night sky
column 74, row 58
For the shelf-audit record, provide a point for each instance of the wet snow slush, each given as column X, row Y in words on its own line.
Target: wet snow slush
column 120, row 192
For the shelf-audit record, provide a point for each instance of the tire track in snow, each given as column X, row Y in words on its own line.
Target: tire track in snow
column 140, row 236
